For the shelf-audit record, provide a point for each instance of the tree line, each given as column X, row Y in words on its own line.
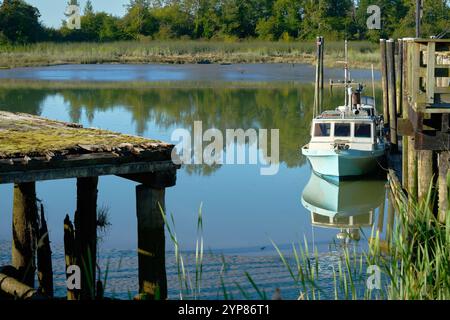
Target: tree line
column 228, row 20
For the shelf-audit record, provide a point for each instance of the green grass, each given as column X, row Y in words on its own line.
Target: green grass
column 361, row 54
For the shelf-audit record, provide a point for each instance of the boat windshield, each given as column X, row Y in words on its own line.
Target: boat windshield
column 322, row 129
column 363, row 130
column 342, row 129
column 370, row 101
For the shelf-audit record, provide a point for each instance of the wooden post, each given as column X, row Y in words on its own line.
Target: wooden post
column 86, row 234
column 384, row 81
column 24, row 231
column 70, row 253
column 405, row 116
column 412, row 170
column 444, row 167
column 399, row 77
column 424, row 173
column 15, row 288
column 418, row 13
column 44, row 258
column 151, row 242
column 390, row 52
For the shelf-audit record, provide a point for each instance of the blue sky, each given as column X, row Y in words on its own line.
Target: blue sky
column 52, row 11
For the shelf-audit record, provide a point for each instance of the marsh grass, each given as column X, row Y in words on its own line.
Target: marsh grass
column 415, row 265
column 361, row 54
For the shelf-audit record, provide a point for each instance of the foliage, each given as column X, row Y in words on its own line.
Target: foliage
column 230, row 20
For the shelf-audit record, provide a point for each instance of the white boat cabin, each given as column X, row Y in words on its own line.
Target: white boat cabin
column 343, row 129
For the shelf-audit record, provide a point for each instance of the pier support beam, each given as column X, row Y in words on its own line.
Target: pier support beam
column 444, row 167
column 86, row 234
column 151, row 242
column 412, row 170
column 390, row 57
column 424, row 172
column 384, row 82
column 24, row 231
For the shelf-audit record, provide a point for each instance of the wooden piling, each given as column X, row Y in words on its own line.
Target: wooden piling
column 151, row 242
column 86, row 234
column 44, row 258
column 24, row 231
column 399, row 76
column 390, row 52
column 443, row 188
column 424, row 172
column 405, row 116
column 70, row 253
column 384, row 81
column 412, row 170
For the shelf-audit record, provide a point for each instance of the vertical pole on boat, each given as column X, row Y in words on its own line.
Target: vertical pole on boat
column 316, row 91
column 384, row 82
column 318, row 95
column 347, row 102
column 322, row 49
column 373, row 88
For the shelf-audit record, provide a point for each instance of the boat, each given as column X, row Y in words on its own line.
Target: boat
column 349, row 140
column 346, row 206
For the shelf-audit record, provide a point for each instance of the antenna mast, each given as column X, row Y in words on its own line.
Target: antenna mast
column 346, row 73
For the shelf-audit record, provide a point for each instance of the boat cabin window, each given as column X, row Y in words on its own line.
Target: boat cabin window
column 322, row 130
column 342, row 129
column 363, row 130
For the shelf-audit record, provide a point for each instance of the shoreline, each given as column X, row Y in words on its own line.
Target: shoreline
column 361, row 54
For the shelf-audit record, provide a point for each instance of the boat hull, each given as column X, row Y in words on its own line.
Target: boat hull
column 343, row 163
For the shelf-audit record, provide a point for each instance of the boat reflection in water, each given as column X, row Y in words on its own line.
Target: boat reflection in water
column 344, row 205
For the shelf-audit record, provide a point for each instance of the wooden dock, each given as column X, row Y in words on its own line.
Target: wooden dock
column 416, row 100
column 34, row 149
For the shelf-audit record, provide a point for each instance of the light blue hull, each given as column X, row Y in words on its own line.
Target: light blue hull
column 343, row 163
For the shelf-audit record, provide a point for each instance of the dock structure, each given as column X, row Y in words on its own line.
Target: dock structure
column 35, row 149
column 418, row 107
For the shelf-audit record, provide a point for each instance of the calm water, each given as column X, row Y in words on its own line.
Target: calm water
column 242, row 210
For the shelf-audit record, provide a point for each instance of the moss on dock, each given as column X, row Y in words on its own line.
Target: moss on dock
column 25, row 135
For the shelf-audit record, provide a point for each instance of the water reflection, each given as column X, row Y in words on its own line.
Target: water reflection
column 286, row 107
column 347, row 205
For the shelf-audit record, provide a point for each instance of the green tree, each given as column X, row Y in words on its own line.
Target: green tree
column 174, row 19
column 19, row 22
column 139, row 20
column 392, row 11
column 88, row 9
column 435, row 19
column 239, row 18
column 286, row 19
column 330, row 18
